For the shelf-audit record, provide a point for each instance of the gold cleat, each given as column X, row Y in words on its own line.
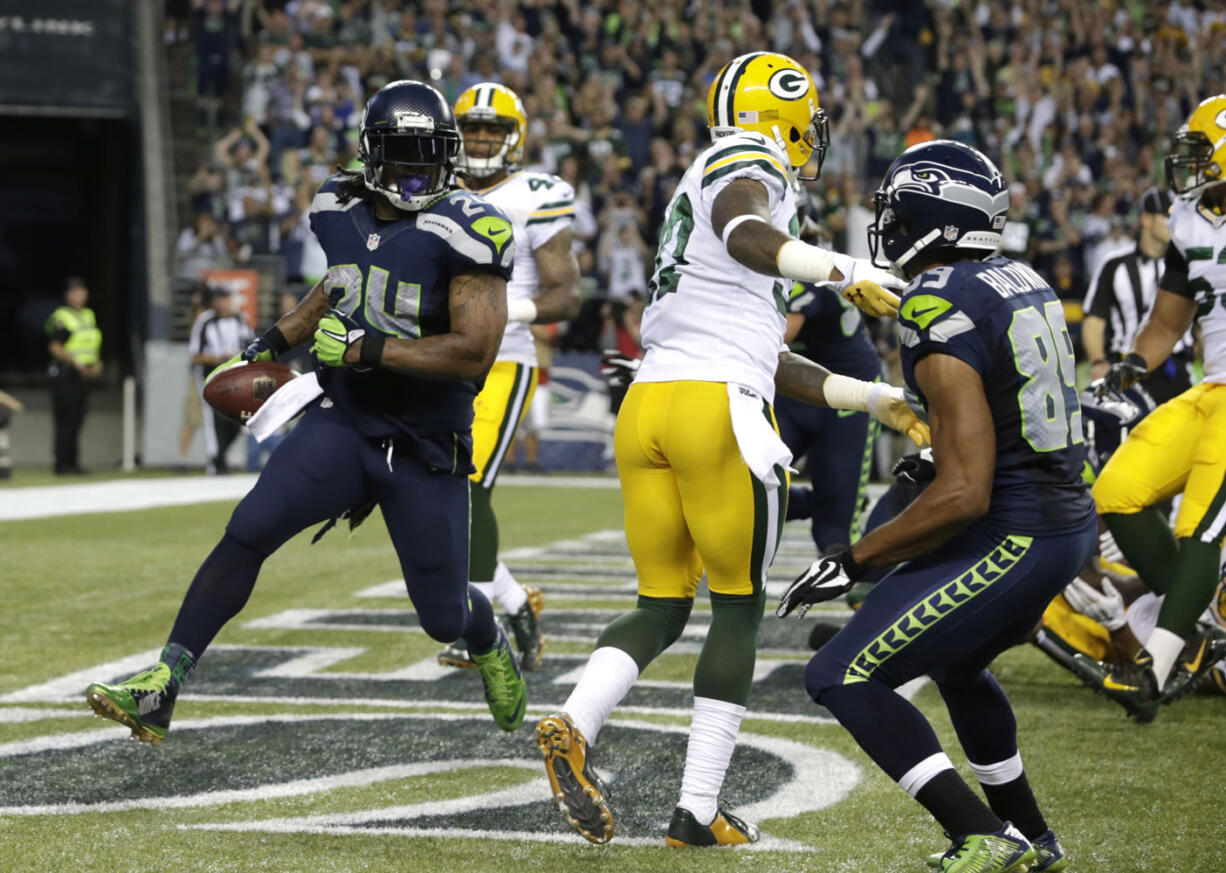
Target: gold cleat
column 684, row 831
column 536, row 599
column 577, row 791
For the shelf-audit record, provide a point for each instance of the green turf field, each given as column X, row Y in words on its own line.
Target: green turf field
column 318, row 735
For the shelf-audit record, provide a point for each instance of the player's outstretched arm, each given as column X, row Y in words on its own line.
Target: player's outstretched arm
column 801, row 379
column 558, row 297
column 741, row 217
column 964, row 449
column 478, row 305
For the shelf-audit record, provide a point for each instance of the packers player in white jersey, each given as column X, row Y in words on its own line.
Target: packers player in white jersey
column 544, row 288
column 702, row 469
column 1181, row 446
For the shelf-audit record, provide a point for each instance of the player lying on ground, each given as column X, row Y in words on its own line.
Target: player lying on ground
column 1181, row 446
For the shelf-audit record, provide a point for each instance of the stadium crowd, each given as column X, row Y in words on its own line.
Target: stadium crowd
column 1074, row 100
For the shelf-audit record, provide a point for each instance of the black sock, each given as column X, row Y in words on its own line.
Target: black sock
column 956, row 807
column 1014, row 802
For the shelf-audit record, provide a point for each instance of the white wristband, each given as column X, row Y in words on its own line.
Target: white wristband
column 736, row 221
column 843, row 392
column 806, row 263
column 521, row 310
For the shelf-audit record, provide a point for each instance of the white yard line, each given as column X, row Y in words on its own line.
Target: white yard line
column 125, row 495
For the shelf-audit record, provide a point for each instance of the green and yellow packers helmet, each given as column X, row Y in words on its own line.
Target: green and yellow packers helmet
column 1198, row 150
column 491, row 103
column 773, row 95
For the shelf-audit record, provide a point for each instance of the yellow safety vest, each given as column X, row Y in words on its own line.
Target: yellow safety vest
column 85, row 340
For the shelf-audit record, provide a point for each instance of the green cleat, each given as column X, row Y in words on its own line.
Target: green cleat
column 1049, row 855
column 505, row 690
column 145, row 701
column 1005, row 851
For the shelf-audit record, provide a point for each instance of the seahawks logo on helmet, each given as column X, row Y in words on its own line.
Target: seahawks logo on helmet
column 788, row 84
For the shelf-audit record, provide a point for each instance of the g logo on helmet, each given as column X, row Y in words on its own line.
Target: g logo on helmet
column 788, row 84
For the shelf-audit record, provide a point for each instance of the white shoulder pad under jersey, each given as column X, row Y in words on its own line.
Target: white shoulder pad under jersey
column 709, row 318
column 540, row 206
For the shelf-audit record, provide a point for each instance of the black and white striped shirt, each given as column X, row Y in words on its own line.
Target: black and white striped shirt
column 1122, row 294
column 219, row 336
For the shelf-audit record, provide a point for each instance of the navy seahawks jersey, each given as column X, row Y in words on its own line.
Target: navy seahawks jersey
column 1001, row 318
column 393, row 277
column 834, row 334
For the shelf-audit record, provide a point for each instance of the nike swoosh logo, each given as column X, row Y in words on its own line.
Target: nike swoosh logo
column 498, row 232
column 917, row 314
column 1111, row 684
column 843, row 413
column 1194, row 665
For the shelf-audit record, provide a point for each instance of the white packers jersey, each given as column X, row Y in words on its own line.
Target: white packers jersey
column 709, row 317
column 1196, row 269
column 539, row 206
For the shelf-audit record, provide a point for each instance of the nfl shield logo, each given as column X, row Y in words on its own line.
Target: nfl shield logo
column 951, row 233
column 372, row 241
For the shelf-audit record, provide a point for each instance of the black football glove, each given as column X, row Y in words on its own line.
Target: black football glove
column 259, row 350
column 1123, row 374
column 827, row 578
column 916, row 468
column 618, row 370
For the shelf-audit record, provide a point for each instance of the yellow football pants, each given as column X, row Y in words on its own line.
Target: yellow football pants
column 690, row 500
column 1079, row 631
column 1179, row 447
column 497, row 412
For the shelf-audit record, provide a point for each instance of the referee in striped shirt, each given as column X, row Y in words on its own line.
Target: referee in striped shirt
column 1121, row 296
column 218, row 334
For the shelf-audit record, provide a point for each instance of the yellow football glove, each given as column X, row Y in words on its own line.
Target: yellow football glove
column 889, row 406
column 871, row 299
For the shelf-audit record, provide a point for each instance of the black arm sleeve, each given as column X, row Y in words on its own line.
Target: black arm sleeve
column 1175, row 273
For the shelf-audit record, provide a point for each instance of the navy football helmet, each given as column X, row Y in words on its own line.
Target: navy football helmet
column 408, row 143
column 939, row 194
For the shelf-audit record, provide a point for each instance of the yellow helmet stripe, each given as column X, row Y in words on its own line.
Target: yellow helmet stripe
column 725, row 95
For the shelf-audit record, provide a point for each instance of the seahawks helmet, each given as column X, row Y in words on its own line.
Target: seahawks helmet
column 937, row 195
column 408, row 142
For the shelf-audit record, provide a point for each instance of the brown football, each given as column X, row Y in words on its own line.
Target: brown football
column 239, row 391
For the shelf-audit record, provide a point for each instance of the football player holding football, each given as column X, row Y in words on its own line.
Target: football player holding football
column 1180, row 447
column 543, row 289
column 406, row 323
column 1004, row 525
column 701, row 465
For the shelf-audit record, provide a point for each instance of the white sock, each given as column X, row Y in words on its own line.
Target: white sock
column 1165, row 647
column 713, row 733
column 608, row 675
column 511, row 595
column 923, row 772
column 1000, row 773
